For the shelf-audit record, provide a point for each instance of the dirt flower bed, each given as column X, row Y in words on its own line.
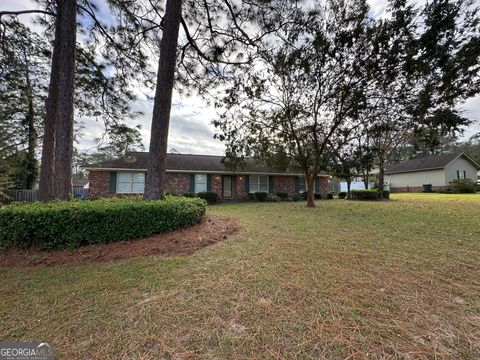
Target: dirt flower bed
column 179, row 242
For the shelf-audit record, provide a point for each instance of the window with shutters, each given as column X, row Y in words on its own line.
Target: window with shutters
column 258, row 183
column 130, row 182
column 302, row 184
column 461, row 174
column 200, row 183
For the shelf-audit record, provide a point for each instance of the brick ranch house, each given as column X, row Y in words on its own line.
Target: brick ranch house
column 196, row 173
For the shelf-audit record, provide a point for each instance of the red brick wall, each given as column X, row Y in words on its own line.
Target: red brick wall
column 414, row 189
column 177, row 183
column 239, row 187
column 324, row 187
column 284, row 184
column 98, row 184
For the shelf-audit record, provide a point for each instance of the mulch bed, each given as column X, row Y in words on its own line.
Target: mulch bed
column 179, row 242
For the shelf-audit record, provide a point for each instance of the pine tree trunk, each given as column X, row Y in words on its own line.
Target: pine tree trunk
column 310, row 190
column 31, row 161
column 45, row 190
column 349, row 185
column 155, row 180
column 65, row 111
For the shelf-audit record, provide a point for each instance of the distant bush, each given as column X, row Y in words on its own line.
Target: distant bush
column 330, row 195
column 283, row 196
column 169, row 193
column 210, row 196
column 296, row 197
column 251, row 196
column 273, row 197
column 342, row 195
column 261, row 196
column 70, row 224
column 462, row 186
column 372, row 194
column 317, row 196
column 304, row 195
column 189, row 194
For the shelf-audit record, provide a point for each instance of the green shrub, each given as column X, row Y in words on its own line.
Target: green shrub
column 210, row 196
column 342, row 195
column 304, row 195
column 283, row 196
column 462, row 186
column 317, row 196
column 273, row 197
column 251, row 196
column 371, row 194
column 261, row 196
column 70, row 224
column 189, row 194
column 296, row 197
column 330, row 195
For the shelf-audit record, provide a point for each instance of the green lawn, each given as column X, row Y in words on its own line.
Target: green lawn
column 390, row 280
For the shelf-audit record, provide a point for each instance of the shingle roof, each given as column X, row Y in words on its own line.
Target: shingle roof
column 426, row 163
column 185, row 162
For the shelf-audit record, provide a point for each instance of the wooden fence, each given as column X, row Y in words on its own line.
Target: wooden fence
column 30, row 195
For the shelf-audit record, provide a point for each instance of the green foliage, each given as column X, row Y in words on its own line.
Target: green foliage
column 372, row 194
column 261, row 196
column 209, row 196
column 304, row 195
column 330, row 195
column 296, row 197
column 273, row 198
column 189, row 194
column 317, row 196
column 462, row 186
column 342, row 195
column 283, row 196
column 70, row 224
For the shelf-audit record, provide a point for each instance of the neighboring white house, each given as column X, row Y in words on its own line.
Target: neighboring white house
column 437, row 170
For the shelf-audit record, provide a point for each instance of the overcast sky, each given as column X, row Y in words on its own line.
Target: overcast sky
column 191, row 129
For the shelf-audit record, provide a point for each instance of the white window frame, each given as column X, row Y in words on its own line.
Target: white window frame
column 131, row 182
column 197, row 183
column 300, row 178
column 254, row 186
column 461, row 174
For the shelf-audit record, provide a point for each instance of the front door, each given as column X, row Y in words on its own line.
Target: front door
column 227, row 187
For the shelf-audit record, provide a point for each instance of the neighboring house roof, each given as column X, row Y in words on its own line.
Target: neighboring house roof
column 187, row 163
column 427, row 163
column 80, row 182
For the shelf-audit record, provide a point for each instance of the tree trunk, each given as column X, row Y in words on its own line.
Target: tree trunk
column 365, row 180
column 155, row 180
column 381, row 176
column 45, row 189
column 310, row 190
column 31, row 161
column 349, row 184
column 65, row 96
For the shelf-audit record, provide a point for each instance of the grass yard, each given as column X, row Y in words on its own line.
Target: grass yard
column 346, row 280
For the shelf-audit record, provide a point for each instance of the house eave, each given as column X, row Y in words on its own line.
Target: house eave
column 413, row 170
column 203, row 172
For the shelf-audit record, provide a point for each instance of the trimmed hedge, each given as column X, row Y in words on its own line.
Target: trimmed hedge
column 371, row 194
column 342, row 195
column 283, row 195
column 70, row 224
column 209, row 196
column 261, row 196
column 330, row 195
column 462, row 186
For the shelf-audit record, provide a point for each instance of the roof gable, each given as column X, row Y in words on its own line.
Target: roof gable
column 427, row 163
